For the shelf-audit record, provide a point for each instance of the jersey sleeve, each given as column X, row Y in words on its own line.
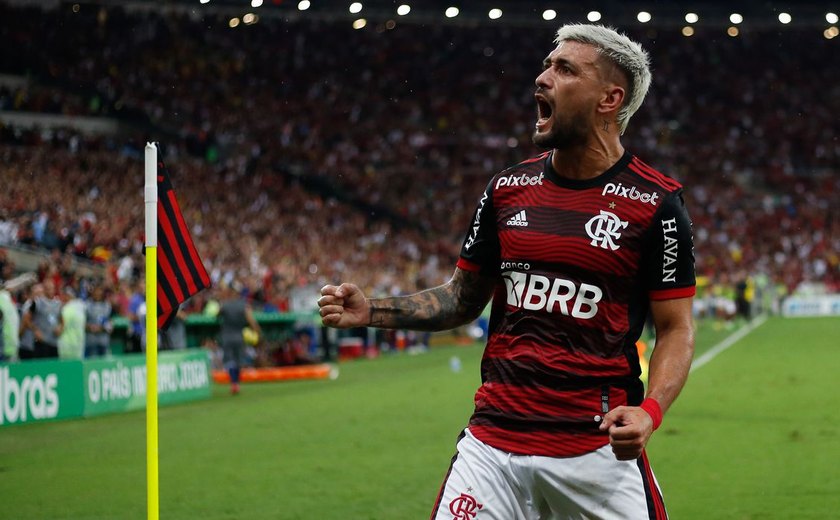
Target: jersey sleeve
column 669, row 266
column 480, row 251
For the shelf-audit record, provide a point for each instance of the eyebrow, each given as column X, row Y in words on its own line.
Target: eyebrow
column 548, row 61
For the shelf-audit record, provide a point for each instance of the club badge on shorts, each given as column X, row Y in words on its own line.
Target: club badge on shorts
column 464, row 507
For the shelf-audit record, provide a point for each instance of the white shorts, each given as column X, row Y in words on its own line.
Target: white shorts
column 484, row 483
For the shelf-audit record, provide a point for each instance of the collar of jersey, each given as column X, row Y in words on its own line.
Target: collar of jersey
column 600, row 180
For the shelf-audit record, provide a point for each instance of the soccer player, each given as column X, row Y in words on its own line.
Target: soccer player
column 235, row 314
column 574, row 247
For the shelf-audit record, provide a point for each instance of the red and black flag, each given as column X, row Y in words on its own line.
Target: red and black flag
column 181, row 273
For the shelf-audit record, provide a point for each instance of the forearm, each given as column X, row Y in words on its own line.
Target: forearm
column 428, row 310
column 669, row 364
column 252, row 322
column 255, row 325
column 455, row 303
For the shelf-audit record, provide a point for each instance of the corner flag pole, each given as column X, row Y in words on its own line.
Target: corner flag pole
column 151, row 199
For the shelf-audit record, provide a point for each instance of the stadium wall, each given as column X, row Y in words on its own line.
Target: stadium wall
column 49, row 390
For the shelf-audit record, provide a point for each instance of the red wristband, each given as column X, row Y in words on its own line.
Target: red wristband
column 651, row 406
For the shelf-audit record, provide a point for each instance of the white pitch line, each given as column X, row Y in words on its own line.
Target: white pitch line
column 730, row 340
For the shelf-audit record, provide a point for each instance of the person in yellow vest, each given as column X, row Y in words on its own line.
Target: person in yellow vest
column 71, row 341
column 9, row 327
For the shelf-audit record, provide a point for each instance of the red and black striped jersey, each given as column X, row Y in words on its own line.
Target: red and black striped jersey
column 577, row 264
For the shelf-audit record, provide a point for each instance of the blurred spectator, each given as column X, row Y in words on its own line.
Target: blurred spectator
column 296, row 350
column 42, row 316
column 26, row 347
column 137, row 317
column 9, row 326
column 175, row 337
column 98, row 324
column 71, row 341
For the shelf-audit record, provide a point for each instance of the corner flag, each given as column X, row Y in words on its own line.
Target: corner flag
column 180, row 271
column 181, row 275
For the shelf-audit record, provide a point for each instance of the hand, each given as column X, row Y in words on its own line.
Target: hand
column 630, row 428
column 343, row 306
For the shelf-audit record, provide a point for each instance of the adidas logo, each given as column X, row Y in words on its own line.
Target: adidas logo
column 518, row 220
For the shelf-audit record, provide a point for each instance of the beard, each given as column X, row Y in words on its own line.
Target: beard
column 564, row 134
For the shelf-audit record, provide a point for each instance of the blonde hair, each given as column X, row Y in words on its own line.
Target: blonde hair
column 627, row 55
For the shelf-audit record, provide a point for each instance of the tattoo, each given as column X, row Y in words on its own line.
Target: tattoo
column 456, row 302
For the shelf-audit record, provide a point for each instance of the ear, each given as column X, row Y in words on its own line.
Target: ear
column 611, row 99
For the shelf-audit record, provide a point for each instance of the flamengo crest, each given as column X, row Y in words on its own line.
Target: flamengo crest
column 605, row 230
column 464, row 507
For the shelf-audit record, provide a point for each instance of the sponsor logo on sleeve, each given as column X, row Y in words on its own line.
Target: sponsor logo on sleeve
column 476, row 223
column 630, row 193
column 669, row 254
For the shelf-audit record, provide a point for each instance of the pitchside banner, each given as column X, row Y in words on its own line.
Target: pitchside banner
column 40, row 390
column 119, row 384
column 811, row 306
column 44, row 390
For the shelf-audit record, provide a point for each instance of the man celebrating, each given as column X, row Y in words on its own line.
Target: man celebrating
column 575, row 246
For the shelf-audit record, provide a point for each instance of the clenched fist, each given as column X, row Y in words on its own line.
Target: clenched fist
column 343, row 306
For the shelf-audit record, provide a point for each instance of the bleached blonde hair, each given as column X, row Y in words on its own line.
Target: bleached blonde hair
column 627, row 55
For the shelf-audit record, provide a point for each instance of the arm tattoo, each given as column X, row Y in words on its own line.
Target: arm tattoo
column 456, row 302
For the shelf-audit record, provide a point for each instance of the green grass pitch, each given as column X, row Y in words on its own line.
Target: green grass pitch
column 751, row 437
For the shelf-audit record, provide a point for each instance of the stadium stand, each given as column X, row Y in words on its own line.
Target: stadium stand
column 286, row 146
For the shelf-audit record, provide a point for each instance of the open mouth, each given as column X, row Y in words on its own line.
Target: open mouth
column 544, row 110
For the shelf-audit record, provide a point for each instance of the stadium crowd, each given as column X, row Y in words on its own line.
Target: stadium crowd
column 299, row 158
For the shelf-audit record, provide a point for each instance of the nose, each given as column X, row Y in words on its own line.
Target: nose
column 543, row 81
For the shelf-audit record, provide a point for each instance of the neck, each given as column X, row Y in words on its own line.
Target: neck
column 589, row 160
